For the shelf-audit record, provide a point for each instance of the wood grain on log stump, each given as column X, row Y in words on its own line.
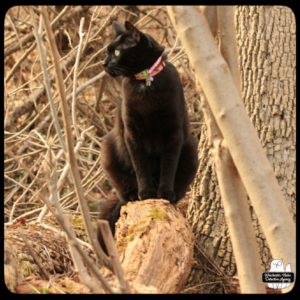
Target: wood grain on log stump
column 155, row 244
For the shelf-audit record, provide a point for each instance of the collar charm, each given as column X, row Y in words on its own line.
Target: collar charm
column 148, row 74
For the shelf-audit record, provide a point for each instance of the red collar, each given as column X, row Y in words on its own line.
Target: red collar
column 148, row 74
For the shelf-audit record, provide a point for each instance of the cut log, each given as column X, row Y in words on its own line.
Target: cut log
column 155, row 244
column 154, row 241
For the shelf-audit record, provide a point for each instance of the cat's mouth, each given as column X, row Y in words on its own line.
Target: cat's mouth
column 113, row 72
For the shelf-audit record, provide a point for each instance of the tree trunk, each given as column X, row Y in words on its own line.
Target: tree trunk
column 266, row 44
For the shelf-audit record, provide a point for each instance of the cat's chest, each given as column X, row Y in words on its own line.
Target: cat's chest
column 136, row 90
column 141, row 88
column 141, row 99
column 141, row 111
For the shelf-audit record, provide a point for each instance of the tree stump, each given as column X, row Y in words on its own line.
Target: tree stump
column 155, row 244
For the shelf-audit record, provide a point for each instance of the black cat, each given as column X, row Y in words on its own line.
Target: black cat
column 150, row 152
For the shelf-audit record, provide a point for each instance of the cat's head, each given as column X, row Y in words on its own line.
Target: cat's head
column 131, row 51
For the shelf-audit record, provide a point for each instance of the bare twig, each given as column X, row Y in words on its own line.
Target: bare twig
column 113, row 253
column 38, row 37
column 64, row 172
column 71, row 157
column 20, row 44
column 34, row 179
column 87, row 84
column 28, row 38
column 81, row 34
column 62, row 233
column 17, row 64
column 76, row 250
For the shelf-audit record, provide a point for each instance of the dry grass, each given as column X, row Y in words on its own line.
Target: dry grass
column 33, row 119
column 29, row 127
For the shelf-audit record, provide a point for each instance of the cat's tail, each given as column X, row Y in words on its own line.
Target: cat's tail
column 110, row 211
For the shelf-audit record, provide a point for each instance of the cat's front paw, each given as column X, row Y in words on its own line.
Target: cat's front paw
column 166, row 194
column 130, row 196
column 147, row 194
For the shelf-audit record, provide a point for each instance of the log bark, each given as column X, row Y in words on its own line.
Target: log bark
column 154, row 241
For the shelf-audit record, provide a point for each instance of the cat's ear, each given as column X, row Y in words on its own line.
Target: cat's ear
column 119, row 29
column 136, row 34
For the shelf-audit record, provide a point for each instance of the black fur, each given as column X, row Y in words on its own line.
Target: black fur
column 150, row 152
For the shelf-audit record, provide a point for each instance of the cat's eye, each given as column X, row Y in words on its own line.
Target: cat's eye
column 117, row 52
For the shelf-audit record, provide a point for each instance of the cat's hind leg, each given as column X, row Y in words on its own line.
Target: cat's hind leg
column 118, row 169
column 121, row 176
column 187, row 167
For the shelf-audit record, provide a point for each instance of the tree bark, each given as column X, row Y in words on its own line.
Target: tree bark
column 267, row 53
column 266, row 45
